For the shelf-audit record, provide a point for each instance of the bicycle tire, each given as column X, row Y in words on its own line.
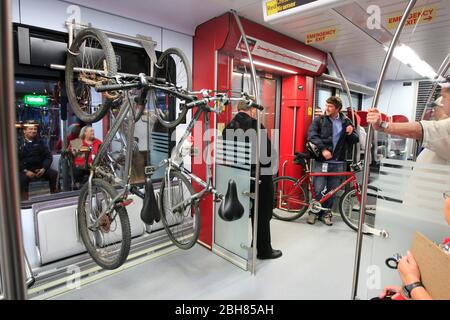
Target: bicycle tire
column 186, row 83
column 292, row 209
column 72, row 86
column 125, row 237
column 195, row 213
column 342, row 210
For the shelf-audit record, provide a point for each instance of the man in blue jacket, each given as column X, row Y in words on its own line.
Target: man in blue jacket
column 332, row 133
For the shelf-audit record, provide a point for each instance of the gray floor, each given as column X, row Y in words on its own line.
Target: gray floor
column 317, row 263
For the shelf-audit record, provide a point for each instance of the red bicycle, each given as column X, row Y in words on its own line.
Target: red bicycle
column 294, row 197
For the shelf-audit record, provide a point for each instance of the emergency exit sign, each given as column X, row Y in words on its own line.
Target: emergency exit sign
column 417, row 16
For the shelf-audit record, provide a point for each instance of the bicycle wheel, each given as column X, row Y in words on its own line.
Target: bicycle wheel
column 349, row 207
column 290, row 199
column 91, row 50
column 109, row 242
column 180, row 219
column 173, row 66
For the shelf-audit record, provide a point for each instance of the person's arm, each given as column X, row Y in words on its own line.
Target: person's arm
column 314, row 136
column 353, row 137
column 410, row 273
column 436, row 137
column 420, row 293
column 411, row 130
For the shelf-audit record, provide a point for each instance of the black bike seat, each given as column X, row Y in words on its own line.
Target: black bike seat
column 301, row 155
column 231, row 209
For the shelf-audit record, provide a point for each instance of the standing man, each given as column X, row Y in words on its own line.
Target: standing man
column 332, row 133
column 34, row 161
column 245, row 121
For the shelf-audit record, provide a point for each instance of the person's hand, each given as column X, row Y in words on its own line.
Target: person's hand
column 327, row 154
column 349, row 130
column 40, row 172
column 374, row 118
column 30, row 174
column 393, row 291
column 408, row 269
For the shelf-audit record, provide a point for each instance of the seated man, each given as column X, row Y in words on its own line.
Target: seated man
column 34, row 161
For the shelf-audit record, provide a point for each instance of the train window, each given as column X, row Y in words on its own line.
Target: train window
column 44, row 120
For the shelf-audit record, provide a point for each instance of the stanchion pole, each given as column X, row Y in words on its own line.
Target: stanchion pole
column 11, row 249
column 369, row 139
column 258, row 141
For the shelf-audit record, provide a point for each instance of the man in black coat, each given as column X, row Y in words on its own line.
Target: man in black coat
column 245, row 120
column 332, row 133
column 34, row 161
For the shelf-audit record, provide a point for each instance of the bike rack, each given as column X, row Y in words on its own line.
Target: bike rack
column 146, row 42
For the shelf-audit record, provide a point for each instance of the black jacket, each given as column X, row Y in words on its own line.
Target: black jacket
column 243, row 121
column 321, row 134
column 34, row 155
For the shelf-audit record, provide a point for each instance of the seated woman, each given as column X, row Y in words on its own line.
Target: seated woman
column 410, row 273
column 84, row 150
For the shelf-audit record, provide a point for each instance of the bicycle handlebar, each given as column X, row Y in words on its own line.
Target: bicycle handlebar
column 223, row 98
column 116, row 87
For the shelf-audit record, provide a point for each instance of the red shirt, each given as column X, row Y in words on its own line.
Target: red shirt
column 79, row 159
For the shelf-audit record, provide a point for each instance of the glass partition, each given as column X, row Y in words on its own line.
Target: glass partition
column 410, row 191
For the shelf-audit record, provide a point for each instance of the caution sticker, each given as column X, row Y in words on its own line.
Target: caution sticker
column 417, row 16
column 321, row 36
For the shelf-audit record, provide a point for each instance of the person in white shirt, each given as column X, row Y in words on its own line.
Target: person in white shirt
column 434, row 135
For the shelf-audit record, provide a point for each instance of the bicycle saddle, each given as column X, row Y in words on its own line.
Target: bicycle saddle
column 301, row 158
column 150, row 210
column 231, row 209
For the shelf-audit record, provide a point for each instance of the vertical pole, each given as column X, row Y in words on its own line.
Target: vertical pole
column 258, row 141
column 368, row 143
column 11, row 246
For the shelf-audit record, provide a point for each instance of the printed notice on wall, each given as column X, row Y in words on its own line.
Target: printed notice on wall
column 321, row 36
column 273, row 52
column 417, row 16
column 275, row 6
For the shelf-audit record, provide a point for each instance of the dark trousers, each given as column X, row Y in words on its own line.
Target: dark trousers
column 80, row 175
column 265, row 207
column 323, row 185
column 50, row 175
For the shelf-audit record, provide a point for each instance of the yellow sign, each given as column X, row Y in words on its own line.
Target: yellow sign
column 276, row 6
column 321, row 36
column 310, row 111
column 418, row 16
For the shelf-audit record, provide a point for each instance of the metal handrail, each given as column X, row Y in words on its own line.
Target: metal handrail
column 11, row 243
column 369, row 139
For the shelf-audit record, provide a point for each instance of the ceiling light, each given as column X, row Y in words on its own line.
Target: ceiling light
column 409, row 57
column 270, row 66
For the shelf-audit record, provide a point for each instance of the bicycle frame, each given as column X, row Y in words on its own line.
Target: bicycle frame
column 206, row 185
column 307, row 178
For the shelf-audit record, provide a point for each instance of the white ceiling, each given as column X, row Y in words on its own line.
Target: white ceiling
column 359, row 56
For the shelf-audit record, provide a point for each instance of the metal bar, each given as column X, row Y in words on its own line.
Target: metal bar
column 441, row 72
column 346, row 87
column 98, row 72
column 11, row 244
column 355, row 149
column 258, row 141
column 367, row 148
column 294, row 135
column 356, row 87
column 120, row 36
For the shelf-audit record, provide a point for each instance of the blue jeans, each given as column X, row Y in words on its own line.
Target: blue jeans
column 328, row 183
